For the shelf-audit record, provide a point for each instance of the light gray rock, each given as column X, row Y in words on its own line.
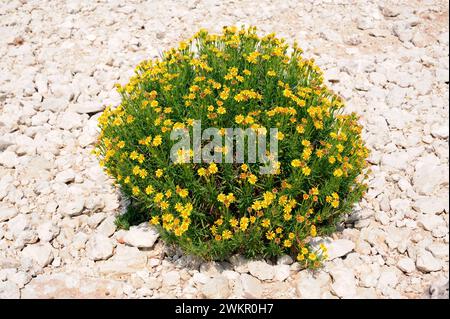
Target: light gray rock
column 8, row 159
column 282, row 272
column 307, row 286
column 439, row 289
column 47, row 231
column 429, row 175
column 261, row 270
column 430, row 205
column 338, row 248
column 216, row 288
column 285, row 260
column 66, row 176
column 430, row 222
column 171, row 278
column 251, row 287
column 99, row 247
column 141, row 236
column 72, row 207
column 6, row 213
column 406, row 265
column 87, row 107
column 41, row 254
column 9, row 290
column 344, row 282
column 426, row 262
column 107, row 227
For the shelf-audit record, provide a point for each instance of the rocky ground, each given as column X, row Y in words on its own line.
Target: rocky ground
column 59, row 62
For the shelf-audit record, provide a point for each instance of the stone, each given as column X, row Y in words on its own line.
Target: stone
column 307, row 286
column 200, row 278
column 344, row 282
column 65, row 177
column 261, row 270
column 430, row 222
column 47, row 231
column 406, row 265
column 20, row 278
column 99, row 247
column 216, row 288
column 6, row 213
column 429, row 175
column 240, row 263
column 41, row 254
column 71, row 286
column 87, row 107
column 9, row 290
column 107, row 227
column 439, row 289
column 126, row 260
column 72, row 207
column 282, row 272
column 388, row 279
column 439, row 131
column 339, row 248
column 430, row 205
column 439, row 250
column 285, row 260
column 171, row 278
column 141, row 236
column 251, row 287
column 426, row 262
column 8, row 159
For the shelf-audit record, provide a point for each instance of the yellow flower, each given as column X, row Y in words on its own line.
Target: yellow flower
column 221, row 110
column 233, row 222
column 300, row 257
column 149, row 189
column 280, row 136
column 243, row 223
column 306, row 171
column 158, row 172
column 312, row 256
column 183, row 193
column 135, row 190
column 313, row 231
column 121, row 144
column 239, row 119
column 271, row 73
column 157, row 140
column 252, row 179
column 201, row 171
column 337, row 172
column 332, row 159
column 212, row 169
column 270, row 235
column 296, row 163
column 154, row 220
column 244, row 167
column 158, row 197
column 226, row 234
column 287, row 243
column 265, row 223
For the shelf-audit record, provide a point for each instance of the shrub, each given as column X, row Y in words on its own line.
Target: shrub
column 236, row 80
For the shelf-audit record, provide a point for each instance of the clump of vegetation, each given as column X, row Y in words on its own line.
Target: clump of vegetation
column 235, row 80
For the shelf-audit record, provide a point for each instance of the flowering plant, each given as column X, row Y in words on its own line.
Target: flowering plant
column 215, row 208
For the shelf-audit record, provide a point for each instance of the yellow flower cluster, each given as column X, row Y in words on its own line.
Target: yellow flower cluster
column 235, row 80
